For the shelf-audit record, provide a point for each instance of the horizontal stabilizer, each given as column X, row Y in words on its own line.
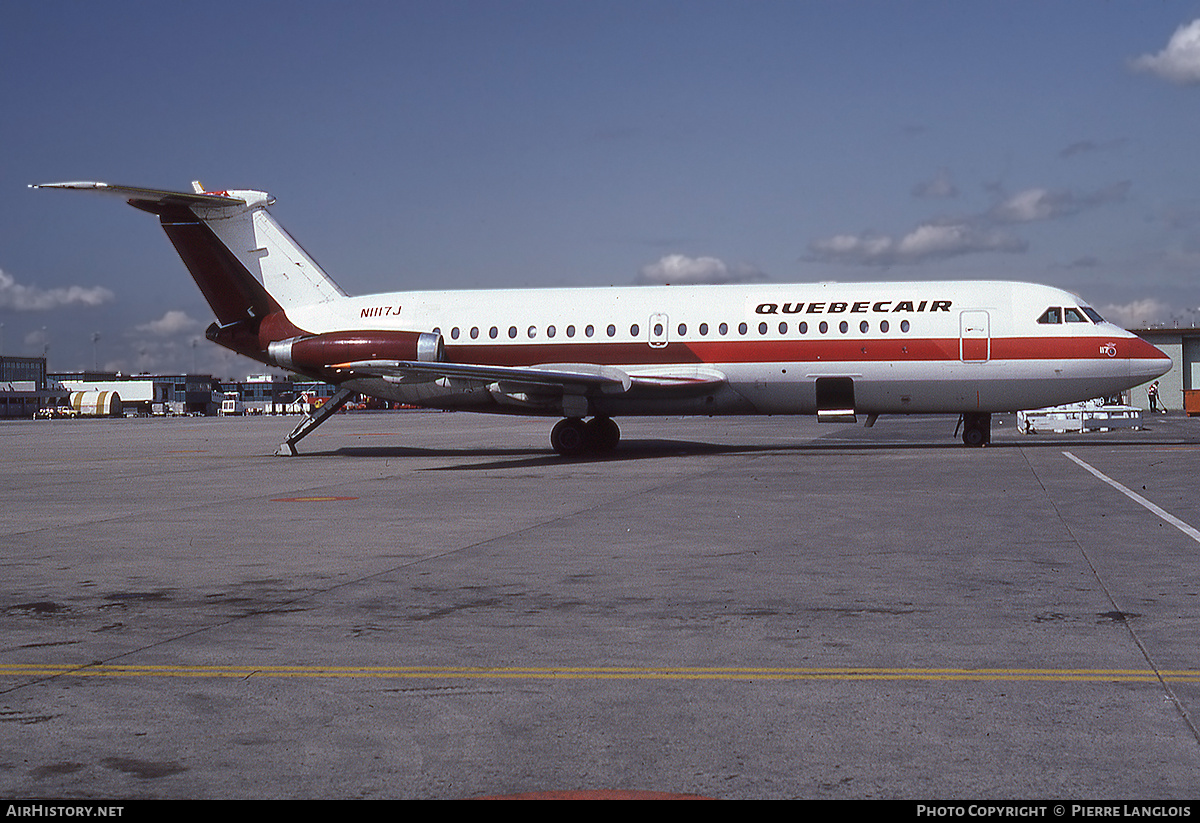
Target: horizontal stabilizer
column 169, row 198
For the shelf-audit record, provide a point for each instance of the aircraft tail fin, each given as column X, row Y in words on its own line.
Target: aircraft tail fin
column 245, row 263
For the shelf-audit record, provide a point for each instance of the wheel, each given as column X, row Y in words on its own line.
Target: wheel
column 568, row 437
column 977, row 429
column 602, row 434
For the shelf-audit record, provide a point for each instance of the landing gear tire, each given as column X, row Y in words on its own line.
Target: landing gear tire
column 568, row 437
column 977, row 430
column 603, row 434
column 572, row 437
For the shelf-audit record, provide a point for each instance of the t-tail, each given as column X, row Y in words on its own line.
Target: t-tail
column 250, row 270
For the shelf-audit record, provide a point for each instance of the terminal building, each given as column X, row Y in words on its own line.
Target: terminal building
column 263, row 393
column 24, row 387
column 193, row 394
column 1180, row 387
column 147, row 394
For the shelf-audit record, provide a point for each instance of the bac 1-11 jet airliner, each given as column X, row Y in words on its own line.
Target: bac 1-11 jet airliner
column 835, row 350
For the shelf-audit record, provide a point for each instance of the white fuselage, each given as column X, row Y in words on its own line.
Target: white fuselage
column 914, row 347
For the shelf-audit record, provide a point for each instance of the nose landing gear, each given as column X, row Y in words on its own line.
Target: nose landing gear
column 976, row 429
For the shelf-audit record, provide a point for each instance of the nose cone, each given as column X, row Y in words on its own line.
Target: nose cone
column 1146, row 362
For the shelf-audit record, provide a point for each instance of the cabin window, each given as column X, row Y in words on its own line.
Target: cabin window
column 1073, row 315
column 658, row 329
column 474, row 332
column 843, row 327
column 762, row 328
column 454, row 333
column 493, row 332
column 512, row 332
column 803, row 328
column 783, row 328
column 633, row 330
column 864, row 326
column 549, row 331
column 703, row 329
column 905, row 326
column 570, row 331
column 589, row 331
column 532, row 332
column 824, row 327
column 723, row 328
column 1051, row 315
column 612, row 330
column 883, row 326
column 743, row 328
column 682, row 329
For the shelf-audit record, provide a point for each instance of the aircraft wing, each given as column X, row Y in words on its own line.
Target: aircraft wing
column 583, row 376
column 552, row 378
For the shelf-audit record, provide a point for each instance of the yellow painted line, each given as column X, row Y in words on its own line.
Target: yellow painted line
column 309, row 499
column 602, row 673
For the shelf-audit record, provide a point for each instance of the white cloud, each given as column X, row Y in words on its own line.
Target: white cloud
column 931, row 241
column 1179, row 62
column 1085, row 147
column 1137, row 315
column 1043, row 204
column 940, row 187
column 682, row 270
column 14, row 295
column 172, row 323
column 1026, row 206
column 969, row 234
column 37, row 339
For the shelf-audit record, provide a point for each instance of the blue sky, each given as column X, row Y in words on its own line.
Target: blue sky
column 467, row 144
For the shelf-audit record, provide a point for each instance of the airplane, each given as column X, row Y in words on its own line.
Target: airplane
column 836, row 350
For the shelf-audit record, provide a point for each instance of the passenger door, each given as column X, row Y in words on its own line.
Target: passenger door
column 975, row 342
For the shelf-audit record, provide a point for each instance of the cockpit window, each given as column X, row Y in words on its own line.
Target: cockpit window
column 1093, row 314
column 1074, row 315
column 1051, row 315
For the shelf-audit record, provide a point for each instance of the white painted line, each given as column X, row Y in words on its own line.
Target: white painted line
column 1137, row 498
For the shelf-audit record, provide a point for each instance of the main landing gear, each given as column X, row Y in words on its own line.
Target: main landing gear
column 976, row 429
column 573, row 437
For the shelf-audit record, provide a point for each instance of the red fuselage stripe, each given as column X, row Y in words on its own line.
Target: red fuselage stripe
column 872, row 350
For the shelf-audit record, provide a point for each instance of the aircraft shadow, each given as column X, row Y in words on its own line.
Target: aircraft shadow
column 650, row 449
